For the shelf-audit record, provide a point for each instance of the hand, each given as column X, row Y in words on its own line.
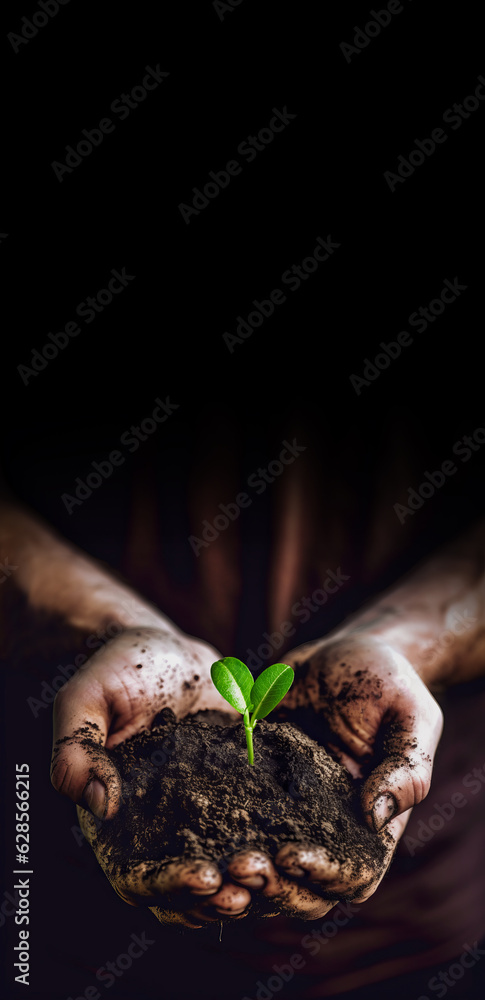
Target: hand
column 117, row 693
column 300, row 881
column 106, row 702
column 111, row 698
column 378, row 714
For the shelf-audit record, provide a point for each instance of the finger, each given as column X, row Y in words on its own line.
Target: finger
column 190, row 920
column 80, row 766
column 336, row 880
column 403, row 777
column 173, row 917
column 314, row 863
column 390, row 836
column 179, row 881
column 396, row 827
column 250, row 868
column 230, row 901
column 190, row 894
column 285, row 893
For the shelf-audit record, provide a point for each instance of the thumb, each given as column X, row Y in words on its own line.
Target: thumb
column 402, row 779
column 80, row 765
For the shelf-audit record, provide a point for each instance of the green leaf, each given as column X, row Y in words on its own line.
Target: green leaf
column 234, row 681
column 270, row 687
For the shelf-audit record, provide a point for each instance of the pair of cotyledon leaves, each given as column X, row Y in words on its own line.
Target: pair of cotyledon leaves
column 236, row 684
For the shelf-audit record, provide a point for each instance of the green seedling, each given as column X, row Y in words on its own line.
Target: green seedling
column 236, row 684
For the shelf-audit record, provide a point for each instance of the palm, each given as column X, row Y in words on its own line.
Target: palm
column 379, row 715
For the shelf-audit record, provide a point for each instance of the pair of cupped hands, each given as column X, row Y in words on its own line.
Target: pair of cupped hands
column 385, row 717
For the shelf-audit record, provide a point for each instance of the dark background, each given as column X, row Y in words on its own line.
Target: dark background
column 163, row 335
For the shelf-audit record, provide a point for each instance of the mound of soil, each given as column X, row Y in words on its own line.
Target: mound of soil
column 188, row 790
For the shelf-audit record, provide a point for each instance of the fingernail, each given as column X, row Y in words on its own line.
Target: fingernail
column 252, row 881
column 293, row 871
column 383, row 810
column 95, row 798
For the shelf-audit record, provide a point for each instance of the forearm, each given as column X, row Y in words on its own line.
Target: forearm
column 435, row 616
column 57, row 579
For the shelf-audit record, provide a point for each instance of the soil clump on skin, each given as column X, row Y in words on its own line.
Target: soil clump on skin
column 189, row 791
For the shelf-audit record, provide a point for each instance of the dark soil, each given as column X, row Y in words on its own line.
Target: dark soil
column 189, row 790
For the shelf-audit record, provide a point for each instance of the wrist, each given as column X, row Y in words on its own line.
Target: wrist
column 433, row 640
